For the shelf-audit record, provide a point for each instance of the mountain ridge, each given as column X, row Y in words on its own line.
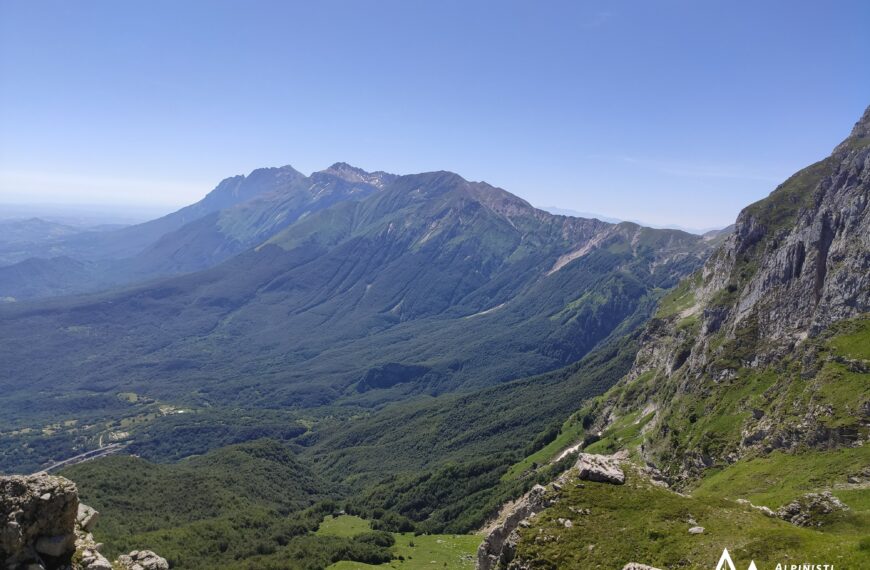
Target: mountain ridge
column 750, row 385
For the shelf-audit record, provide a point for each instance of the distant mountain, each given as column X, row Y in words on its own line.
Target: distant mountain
column 575, row 214
column 17, row 236
column 384, row 287
column 32, row 230
column 239, row 213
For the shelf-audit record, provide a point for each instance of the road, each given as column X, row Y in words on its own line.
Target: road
column 86, row 456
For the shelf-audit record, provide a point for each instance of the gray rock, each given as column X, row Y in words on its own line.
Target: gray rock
column 811, row 509
column 599, row 468
column 636, row 566
column 142, row 560
column 87, row 517
column 93, row 560
column 35, row 524
column 498, row 548
column 696, row 530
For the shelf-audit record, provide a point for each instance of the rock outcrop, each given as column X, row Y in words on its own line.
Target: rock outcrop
column 499, row 548
column 796, row 265
column 599, row 468
column 38, row 514
column 811, row 510
column 46, row 528
column 142, row 560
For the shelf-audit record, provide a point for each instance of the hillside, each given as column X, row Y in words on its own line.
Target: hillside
column 241, row 212
column 751, row 383
column 430, row 284
column 737, row 401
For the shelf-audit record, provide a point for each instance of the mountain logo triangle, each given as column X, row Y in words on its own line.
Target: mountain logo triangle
column 725, row 562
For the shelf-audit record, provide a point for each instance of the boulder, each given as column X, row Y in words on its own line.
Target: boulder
column 38, row 515
column 811, row 509
column 599, row 468
column 87, row 517
column 93, row 560
column 696, row 530
column 142, row 560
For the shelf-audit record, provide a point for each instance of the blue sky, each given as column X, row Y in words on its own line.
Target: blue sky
column 667, row 112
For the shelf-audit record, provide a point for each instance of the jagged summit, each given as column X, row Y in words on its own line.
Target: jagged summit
column 862, row 127
column 859, row 138
column 354, row 174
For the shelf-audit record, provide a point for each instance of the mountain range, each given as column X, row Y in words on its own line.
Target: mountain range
column 342, row 287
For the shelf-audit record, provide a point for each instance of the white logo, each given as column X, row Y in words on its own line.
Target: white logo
column 725, row 563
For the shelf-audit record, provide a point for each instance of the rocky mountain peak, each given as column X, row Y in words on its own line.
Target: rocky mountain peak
column 859, row 138
column 862, row 127
column 795, row 268
column 357, row 175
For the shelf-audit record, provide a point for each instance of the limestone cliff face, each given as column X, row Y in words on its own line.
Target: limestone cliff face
column 44, row 527
column 800, row 259
column 796, row 265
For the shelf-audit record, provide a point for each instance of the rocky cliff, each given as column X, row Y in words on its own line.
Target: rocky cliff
column 46, row 528
column 751, row 387
column 758, row 319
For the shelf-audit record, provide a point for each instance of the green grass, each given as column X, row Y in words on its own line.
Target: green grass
column 453, row 551
column 343, row 525
column 854, row 342
column 638, row 522
column 571, row 433
column 425, row 551
column 682, row 297
column 778, row 478
column 625, row 433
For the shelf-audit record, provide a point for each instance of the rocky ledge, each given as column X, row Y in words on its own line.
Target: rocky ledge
column 498, row 549
column 46, row 528
column 812, row 509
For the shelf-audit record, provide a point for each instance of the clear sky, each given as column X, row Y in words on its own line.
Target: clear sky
column 670, row 112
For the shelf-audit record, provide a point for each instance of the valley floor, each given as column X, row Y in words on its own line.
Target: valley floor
column 455, row 551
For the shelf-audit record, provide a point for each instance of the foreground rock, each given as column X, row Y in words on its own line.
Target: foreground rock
column 636, row 566
column 142, row 560
column 38, row 514
column 46, row 528
column 811, row 509
column 499, row 548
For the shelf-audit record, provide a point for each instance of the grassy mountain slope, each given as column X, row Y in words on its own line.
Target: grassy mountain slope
column 240, row 213
column 752, row 382
column 430, row 285
column 652, row 524
column 245, row 506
